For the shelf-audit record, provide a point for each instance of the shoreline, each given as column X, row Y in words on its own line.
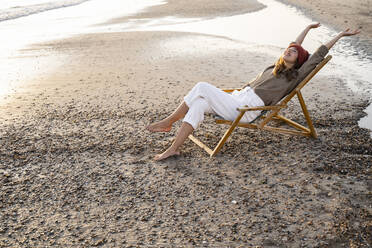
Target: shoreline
column 205, row 10
column 76, row 162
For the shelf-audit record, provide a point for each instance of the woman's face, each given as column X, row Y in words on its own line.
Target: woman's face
column 290, row 55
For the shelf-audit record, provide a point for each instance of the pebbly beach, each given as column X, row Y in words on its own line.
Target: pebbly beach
column 76, row 163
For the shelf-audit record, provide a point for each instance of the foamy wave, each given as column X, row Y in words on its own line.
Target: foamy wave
column 20, row 11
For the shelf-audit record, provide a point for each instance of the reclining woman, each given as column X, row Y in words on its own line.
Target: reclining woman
column 267, row 88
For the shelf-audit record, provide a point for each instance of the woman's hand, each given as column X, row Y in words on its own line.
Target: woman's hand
column 301, row 37
column 348, row 32
column 314, row 25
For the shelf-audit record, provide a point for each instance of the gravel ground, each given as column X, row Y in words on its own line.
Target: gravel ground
column 83, row 177
column 77, row 169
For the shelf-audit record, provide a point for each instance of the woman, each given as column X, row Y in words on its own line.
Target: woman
column 267, row 89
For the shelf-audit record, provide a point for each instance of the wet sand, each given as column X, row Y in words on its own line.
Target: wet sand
column 77, row 170
column 194, row 9
column 356, row 14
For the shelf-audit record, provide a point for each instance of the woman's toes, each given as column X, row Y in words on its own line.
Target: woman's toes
column 166, row 154
column 158, row 127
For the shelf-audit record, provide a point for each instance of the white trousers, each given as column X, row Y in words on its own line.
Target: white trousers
column 206, row 98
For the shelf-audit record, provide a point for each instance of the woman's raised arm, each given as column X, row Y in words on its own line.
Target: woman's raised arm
column 347, row 32
column 303, row 34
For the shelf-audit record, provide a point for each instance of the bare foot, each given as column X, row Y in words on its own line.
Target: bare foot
column 168, row 153
column 160, row 126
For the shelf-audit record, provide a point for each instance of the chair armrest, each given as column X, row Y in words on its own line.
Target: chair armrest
column 274, row 107
column 231, row 90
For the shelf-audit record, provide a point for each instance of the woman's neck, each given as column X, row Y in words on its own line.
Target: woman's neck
column 288, row 66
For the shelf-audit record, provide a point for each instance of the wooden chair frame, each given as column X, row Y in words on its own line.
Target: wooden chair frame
column 271, row 115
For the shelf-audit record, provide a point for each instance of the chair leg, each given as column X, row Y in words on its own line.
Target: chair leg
column 268, row 118
column 201, row 144
column 227, row 134
column 306, row 114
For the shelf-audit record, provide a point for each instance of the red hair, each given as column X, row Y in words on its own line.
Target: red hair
column 302, row 54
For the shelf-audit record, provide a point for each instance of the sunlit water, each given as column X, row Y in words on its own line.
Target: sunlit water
column 11, row 9
column 9, row 4
column 269, row 30
column 54, row 24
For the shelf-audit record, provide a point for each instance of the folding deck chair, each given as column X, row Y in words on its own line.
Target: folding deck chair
column 271, row 114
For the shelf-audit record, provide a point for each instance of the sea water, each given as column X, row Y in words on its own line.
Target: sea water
column 11, row 9
column 27, row 22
